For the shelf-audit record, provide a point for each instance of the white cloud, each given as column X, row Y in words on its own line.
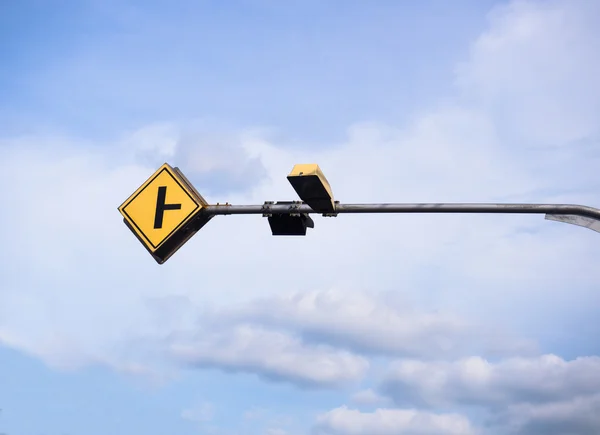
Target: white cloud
column 578, row 415
column 476, row 381
column 368, row 397
column 301, row 336
column 214, row 154
column 522, row 395
column 535, row 67
column 269, row 353
column 383, row 323
column 345, row 421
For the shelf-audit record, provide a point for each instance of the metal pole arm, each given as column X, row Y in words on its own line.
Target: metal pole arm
column 293, row 208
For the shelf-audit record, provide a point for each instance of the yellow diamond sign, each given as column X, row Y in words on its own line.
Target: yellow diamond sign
column 161, row 207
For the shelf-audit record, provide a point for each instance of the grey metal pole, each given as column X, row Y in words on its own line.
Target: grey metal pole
column 298, row 207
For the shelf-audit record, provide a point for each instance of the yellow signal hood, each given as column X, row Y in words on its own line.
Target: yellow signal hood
column 312, row 187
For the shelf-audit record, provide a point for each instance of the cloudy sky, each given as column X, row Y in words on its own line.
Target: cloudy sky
column 370, row 325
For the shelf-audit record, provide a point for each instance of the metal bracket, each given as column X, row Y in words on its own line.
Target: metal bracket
column 226, row 205
column 295, row 206
column 266, row 209
column 333, row 214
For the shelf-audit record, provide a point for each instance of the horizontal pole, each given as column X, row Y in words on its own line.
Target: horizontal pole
column 562, row 209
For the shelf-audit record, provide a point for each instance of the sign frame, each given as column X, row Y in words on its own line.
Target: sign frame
column 183, row 231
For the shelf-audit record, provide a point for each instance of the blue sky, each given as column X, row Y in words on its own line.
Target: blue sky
column 377, row 325
column 242, row 62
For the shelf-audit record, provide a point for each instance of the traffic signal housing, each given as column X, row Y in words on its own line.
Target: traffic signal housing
column 312, row 187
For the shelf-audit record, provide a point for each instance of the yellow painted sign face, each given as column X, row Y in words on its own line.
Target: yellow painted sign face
column 161, row 206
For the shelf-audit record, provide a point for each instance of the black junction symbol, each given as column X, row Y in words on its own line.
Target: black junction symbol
column 161, row 207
